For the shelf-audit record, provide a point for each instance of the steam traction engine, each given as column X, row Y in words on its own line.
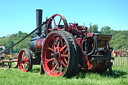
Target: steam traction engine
column 61, row 49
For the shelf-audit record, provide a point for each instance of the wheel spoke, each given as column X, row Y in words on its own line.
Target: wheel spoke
column 58, row 44
column 65, row 60
column 22, row 57
column 63, row 63
column 51, row 59
column 53, row 63
column 57, row 41
column 54, row 40
column 54, row 22
column 62, row 42
column 64, row 55
column 60, row 71
column 54, row 67
column 25, row 66
column 59, row 21
column 66, row 51
column 22, row 65
column 26, row 63
column 52, row 54
column 26, row 56
column 63, row 48
column 58, row 68
column 26, row 59
column 54, row 47
column 51, row 49
column 55, row 44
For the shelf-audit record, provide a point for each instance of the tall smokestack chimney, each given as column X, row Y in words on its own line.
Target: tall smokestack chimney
column 39, row 21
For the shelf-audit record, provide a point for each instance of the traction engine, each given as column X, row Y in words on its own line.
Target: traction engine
column 63, row 49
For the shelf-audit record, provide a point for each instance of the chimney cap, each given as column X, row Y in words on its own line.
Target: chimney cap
column 39, row 10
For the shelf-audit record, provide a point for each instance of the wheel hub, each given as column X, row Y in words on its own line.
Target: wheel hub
column 22, row 60
column 56, row 55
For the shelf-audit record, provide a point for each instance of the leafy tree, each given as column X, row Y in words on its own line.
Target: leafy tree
column 106, row 30
column 12, row 39
column 94, row 28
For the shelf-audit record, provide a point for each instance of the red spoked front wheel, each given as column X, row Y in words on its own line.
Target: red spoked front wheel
column 58, row 55
column 25, row 60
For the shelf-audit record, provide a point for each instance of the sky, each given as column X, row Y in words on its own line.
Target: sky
column 20, row 15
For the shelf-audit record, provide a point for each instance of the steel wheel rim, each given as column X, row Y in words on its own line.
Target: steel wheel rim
column 23, row 61
column 56, row 55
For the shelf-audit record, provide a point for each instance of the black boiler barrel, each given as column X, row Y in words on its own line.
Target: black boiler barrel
column 36, row 44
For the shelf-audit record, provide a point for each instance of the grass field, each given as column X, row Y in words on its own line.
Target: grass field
column 14, row 76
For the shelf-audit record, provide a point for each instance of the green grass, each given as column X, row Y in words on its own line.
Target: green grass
column 16, row 77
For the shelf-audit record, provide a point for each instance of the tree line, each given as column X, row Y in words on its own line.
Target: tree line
column 119, row 38
column 12, row 39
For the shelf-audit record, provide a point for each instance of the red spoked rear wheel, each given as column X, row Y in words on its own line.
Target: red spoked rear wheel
column 58, row 55
column 25, row 60
column 57, row 22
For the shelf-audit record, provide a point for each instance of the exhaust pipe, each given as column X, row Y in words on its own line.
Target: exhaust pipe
column 39, row 21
